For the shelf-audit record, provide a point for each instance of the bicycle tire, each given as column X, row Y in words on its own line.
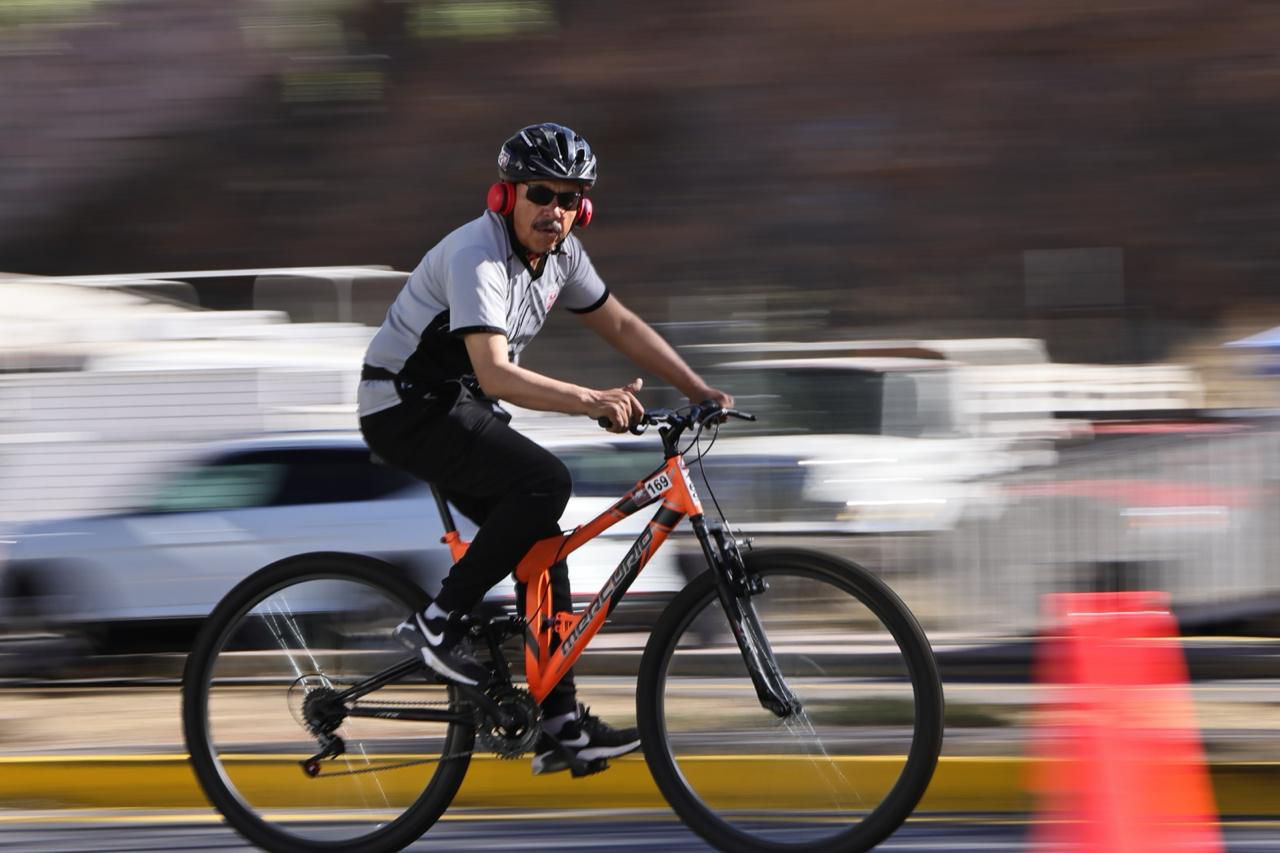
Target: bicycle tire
column 214, row 651
column 717, row 804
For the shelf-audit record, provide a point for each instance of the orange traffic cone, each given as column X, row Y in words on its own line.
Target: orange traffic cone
column 1122, row 767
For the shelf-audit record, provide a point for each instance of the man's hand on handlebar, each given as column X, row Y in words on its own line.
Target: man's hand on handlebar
column 706, row 394
column 617, row 409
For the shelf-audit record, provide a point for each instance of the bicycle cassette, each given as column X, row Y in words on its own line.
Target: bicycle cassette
column 520, row 738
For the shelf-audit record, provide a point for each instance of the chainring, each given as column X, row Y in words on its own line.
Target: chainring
column 521, row 738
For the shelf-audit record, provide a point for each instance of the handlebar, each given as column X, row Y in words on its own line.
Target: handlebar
column 676, row 421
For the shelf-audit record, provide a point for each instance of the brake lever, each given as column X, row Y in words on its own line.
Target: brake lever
column 709, row 412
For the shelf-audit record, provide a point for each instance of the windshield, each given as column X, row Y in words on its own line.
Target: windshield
column 609, row 471
column 218, row 487
column 804, row 400
column 276, row 477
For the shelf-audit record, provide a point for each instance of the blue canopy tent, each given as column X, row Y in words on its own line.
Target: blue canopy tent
column 1266, row 344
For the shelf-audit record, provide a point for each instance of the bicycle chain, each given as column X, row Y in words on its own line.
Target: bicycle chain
column 374, row 703
column 416, row 762
column 384, row 767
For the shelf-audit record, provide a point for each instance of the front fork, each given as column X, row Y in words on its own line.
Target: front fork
column 735, row 587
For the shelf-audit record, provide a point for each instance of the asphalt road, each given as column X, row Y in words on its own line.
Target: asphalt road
column 584, row 832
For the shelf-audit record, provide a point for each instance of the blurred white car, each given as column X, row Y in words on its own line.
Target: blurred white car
column 876, row 442
column 145, row 577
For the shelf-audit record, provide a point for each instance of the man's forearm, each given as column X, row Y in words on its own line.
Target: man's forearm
column 638, row 341
column 533, row 390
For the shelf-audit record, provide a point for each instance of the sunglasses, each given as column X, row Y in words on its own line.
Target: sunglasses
column 541, row 194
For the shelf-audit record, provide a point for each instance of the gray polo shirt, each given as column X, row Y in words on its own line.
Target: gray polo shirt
column 473, row 281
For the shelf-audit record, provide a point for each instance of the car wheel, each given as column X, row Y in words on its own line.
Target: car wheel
column 36, row 641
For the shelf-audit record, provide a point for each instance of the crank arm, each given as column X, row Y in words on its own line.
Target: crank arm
column 487, row 706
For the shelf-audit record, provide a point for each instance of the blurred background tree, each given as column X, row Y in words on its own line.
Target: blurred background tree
column 846, row 167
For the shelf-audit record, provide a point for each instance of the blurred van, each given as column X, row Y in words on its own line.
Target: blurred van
column 880, row 441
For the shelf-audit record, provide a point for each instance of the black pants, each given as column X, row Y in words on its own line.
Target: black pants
column 511, row 487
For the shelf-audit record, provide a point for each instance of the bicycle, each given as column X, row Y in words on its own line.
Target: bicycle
column 765, row 741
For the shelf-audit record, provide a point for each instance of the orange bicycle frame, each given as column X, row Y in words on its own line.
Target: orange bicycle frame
column 554, row 641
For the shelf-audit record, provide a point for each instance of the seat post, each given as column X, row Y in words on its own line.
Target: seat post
column 446, row 515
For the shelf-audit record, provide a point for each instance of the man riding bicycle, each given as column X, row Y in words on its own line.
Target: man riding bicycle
column 448, row 352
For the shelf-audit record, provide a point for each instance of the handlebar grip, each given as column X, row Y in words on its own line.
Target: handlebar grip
column 636, row 429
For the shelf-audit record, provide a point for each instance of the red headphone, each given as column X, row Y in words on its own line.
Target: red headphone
column 502, row 200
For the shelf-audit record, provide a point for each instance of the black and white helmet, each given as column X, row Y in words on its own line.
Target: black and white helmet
column 547, row 150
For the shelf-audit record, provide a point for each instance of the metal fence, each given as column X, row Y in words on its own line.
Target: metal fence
column 1192, row 511
column 85, row 442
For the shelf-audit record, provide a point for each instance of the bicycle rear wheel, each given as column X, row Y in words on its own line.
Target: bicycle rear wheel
column 257, row 704
column 843, row 773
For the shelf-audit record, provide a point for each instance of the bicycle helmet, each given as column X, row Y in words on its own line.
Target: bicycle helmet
column 547, row 150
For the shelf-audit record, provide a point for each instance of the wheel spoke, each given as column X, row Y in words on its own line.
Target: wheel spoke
column 831, row 776
column 270, row 683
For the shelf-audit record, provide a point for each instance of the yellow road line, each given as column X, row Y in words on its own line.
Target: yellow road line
column 961, row 784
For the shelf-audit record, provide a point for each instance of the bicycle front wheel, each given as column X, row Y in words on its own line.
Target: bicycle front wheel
column 263, row 696
column 841, row 774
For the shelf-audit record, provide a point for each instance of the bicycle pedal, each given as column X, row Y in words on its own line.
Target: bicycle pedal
column 587, row 768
